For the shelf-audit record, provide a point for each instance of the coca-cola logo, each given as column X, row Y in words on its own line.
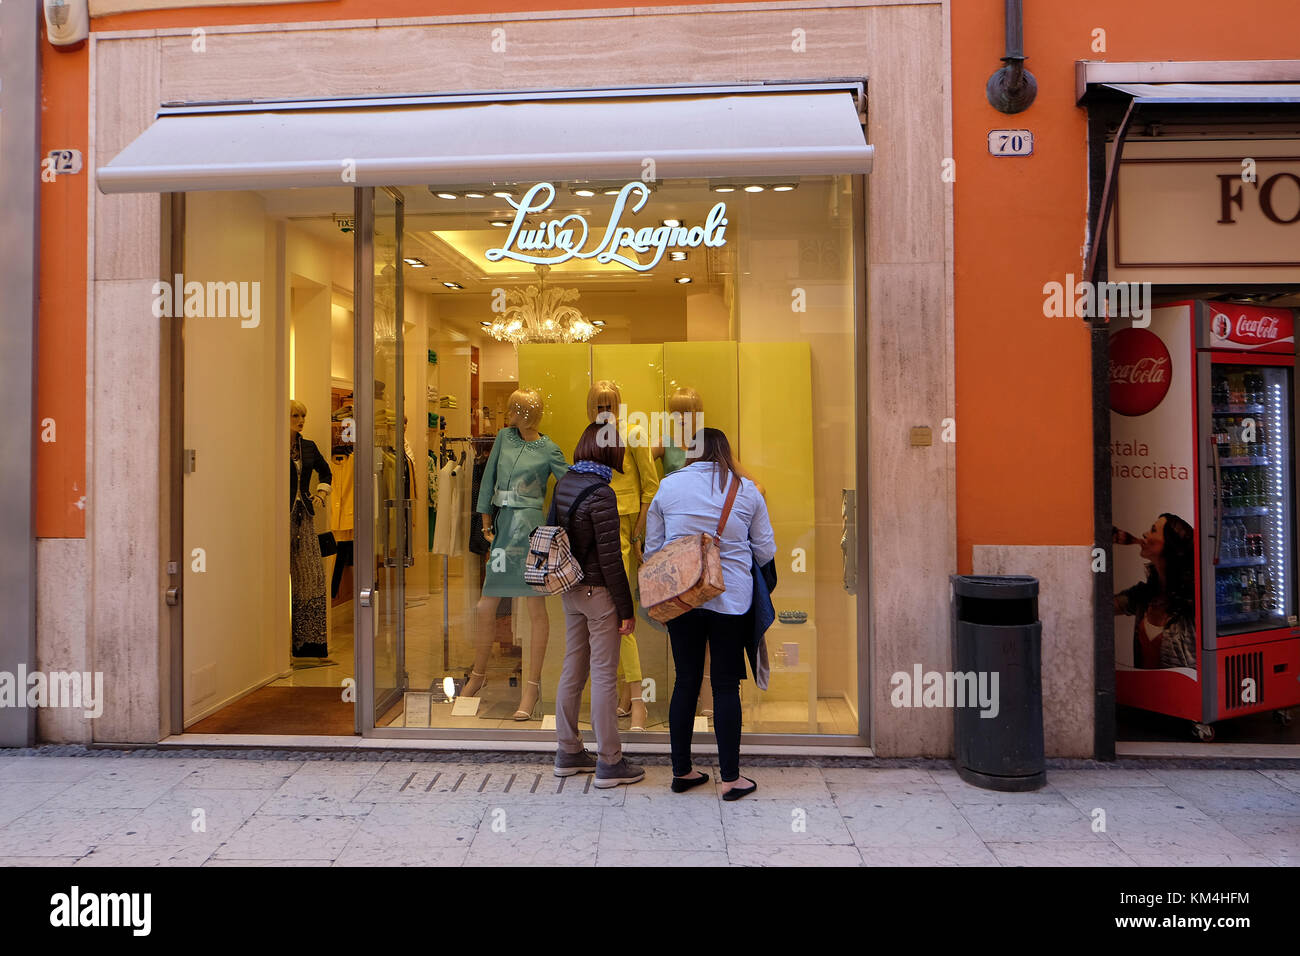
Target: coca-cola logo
column 1262, row 327
column 1140, row 371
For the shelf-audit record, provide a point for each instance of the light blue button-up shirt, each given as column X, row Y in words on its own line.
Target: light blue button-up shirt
column 689, row 502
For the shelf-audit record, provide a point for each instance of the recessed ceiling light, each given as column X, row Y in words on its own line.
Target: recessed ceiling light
column 682, row 280
column 442, row 194
column 677, row 256
column 413, row 263
column 504, row 193
column 584, row 191
column 486, row 324
column 600, row 322
column 612, row 190
column 754, row 188
column 783, row 187
column 453, row 285
column 500, row 222
column 672, row 222
column 475, row 195
column 724, row 189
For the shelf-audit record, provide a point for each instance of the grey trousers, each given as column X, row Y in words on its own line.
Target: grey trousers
column 591, row 646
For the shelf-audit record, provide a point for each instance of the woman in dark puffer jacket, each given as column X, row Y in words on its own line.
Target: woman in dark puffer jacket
column 596, row 612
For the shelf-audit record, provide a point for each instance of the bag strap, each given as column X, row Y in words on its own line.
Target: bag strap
column 582, row 496
column 726, row 508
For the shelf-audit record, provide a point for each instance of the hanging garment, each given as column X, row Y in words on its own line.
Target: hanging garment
column 477, row 543
column 446, row 537
column 515, row 483
column 340, row 501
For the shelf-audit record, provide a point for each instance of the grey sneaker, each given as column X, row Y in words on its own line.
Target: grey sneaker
column 613, row 775
column 566, row 765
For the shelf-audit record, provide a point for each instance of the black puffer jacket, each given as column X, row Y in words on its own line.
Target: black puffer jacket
column 594, row 536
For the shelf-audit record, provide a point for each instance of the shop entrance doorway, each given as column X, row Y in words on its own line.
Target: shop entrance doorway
column 265, row 301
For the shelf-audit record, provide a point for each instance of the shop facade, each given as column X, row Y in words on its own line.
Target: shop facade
column 815, row 325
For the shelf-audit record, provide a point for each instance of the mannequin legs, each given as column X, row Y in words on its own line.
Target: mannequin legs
column 629, row 659
column 539, row 635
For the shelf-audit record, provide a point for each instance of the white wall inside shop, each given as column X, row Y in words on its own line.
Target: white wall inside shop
column 236, row 610
column 309, row 265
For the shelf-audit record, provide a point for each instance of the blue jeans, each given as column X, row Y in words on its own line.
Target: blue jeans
column 724, row 636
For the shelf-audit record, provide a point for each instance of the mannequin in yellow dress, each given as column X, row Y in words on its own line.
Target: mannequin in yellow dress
column 635, row 488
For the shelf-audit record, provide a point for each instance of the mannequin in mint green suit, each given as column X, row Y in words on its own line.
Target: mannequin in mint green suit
column 522, row 462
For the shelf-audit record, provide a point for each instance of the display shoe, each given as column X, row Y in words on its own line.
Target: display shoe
column 521, row 713
column 474, row 685
column 682, row 784
column 639, row 714
column 624, row 708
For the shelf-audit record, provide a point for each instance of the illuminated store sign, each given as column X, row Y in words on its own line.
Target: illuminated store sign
column 566, row 238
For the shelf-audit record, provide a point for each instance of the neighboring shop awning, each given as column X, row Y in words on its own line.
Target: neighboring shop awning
column 398, row 141
column 1208, row 93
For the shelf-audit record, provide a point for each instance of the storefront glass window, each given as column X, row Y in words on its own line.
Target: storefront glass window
column 738, row 305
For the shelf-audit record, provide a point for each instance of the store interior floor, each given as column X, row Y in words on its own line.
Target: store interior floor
column 308, row 700
column 1133, row 725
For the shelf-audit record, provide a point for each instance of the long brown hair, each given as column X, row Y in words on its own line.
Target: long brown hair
column 715, row 448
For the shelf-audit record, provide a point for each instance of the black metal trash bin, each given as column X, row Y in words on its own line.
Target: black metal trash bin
column 996, row 631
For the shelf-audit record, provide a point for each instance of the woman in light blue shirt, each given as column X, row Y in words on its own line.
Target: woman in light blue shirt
column 690, row 501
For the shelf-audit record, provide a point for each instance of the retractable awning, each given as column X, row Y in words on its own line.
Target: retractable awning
column 1208, row 93
column 413, row 140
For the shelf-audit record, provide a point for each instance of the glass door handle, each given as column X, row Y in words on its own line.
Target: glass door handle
column 391, row 512
column 849, row 538
column 408, row 531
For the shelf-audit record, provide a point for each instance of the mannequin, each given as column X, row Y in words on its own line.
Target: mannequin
column 514, row 486
column 686, row 403
column 306, row 570
column 635, row 488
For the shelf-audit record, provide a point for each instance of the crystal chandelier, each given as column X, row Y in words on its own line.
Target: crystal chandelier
column 540, row 314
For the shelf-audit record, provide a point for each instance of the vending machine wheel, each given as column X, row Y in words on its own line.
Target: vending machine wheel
column 1203, row 732
column 1283, row 717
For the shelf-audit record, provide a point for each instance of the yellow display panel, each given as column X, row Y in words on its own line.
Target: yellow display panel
column 637, row 370
column 710, row 369
column 776, row 421
column 562, row 374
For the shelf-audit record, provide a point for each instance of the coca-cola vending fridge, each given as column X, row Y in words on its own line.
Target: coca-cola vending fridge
column 1203, row 430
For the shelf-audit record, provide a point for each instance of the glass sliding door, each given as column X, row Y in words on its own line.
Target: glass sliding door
column 383, row 470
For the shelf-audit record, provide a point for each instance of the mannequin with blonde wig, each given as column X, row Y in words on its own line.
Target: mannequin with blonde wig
column 635, row 488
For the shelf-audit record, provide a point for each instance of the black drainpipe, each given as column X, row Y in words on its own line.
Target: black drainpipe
column 1012, row 89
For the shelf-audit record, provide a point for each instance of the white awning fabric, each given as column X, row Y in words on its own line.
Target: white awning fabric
column 270, row 146
column 1209, row 93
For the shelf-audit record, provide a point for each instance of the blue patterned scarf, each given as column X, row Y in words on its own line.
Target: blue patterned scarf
column 593, row 468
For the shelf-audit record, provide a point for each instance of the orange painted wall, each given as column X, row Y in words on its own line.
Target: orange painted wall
column 1024, row 425
column 61, row 292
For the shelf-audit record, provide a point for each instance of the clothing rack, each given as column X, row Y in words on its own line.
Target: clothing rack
column 475, row 442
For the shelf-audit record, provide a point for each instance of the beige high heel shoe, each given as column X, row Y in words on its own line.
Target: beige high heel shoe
column 522, row 714
column 477, row 688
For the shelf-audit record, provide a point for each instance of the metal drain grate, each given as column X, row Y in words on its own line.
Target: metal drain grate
column 495, row 782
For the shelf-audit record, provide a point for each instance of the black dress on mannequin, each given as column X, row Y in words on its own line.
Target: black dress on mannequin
column 305, row 567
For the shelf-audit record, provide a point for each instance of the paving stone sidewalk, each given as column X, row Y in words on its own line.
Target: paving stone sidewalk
column 287, row 809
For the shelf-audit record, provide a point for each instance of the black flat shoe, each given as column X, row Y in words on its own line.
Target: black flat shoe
column 682, row 784
column 735, row 793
